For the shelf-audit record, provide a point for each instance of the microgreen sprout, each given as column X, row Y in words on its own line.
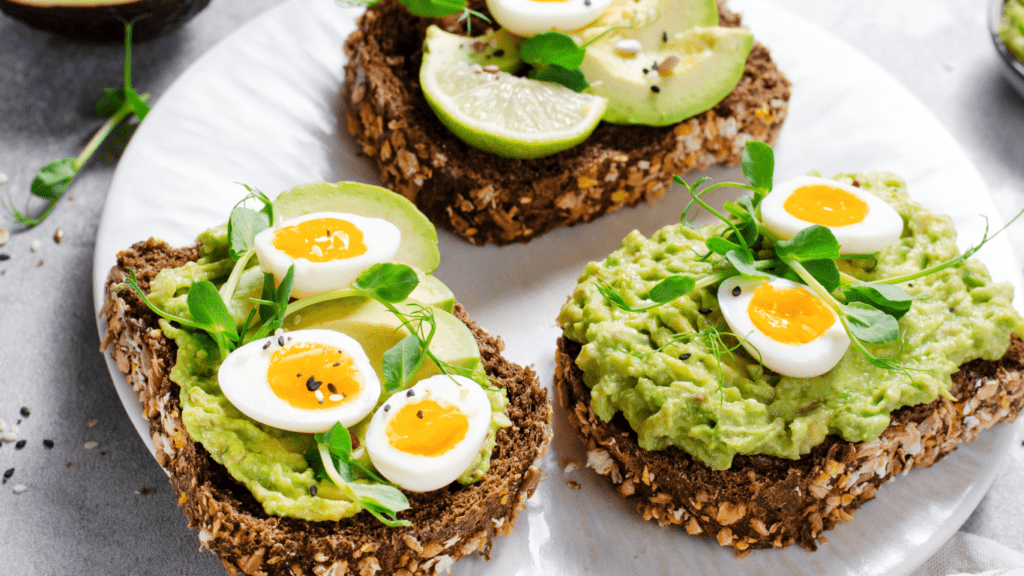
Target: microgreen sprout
column 869, row 311
column 334, row 460
column 431, row 9
column 117, row 104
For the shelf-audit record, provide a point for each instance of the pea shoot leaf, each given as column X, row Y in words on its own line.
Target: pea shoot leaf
column 888, row 298
column 338, row 441
column 53, row 179
column 826, row 272
column 665, row 291
column 555, row 57
column 274, row 301
column 388, row 282
column 759, row 165
column 209, row 310
column 138, row 103
column 111, row 102
column 552, row 48
column 720, row 245
column 243, row 226
column 671, row 288
column 269, row 295
column 383, row 501
column 400, row 363
column 434, row 8
column 812, row 243
column 870, row 324
column 571, row 79
column 744, row 263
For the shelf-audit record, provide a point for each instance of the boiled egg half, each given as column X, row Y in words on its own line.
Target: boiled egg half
column 531, row 17
column 425, row 437
column 329, row 249
column 784, row 325
column 862, row 222
column 303, row 381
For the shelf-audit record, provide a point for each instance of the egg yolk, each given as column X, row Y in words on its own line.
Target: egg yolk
column 313, row 377
column 321, row 240
column 789, row 315
column 826, row 205
column 427, row 428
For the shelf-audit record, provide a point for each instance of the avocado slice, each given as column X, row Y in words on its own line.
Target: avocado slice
column 708, row 63
column 377, row 330
column 419, row 238
column 103, row 20
column 652, row 20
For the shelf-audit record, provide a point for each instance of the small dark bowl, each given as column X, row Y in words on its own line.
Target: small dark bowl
column 1012, row 68
column 103, row 20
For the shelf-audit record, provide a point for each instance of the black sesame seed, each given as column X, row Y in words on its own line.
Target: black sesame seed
column 654, row 66
column 655, row 89
column 387, row 407
column 4, row 257
column 332, row 388
column 419, row 414
column 20, row 444
column 646, row 70
column 336, row 364
column 312, row 490
column 25, row 412
column 267, row 345
column 312, row 384
column 8, row 473
column 686, row 356
column 299, row 375
column 48, row 443
column 951, row 309
column 280, row 340
column 499, row 53
column 586, row 2
column 736, row 291
column 410, row 393
column 704, row 311
column 344, row 394
column 664, row 36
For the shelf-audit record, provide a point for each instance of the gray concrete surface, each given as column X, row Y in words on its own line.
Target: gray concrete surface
column 108, row 510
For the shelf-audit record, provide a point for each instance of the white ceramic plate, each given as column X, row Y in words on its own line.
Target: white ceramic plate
column 262, row 108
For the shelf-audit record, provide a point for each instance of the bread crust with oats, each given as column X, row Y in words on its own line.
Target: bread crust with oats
column 486, row 198
column 769, row 502
column 447, row 524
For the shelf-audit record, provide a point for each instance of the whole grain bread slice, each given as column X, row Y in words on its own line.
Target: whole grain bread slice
column 769, row 502
column 447, row 524
column 486, row 198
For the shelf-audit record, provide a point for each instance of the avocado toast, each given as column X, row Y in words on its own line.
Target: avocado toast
column 676, row 402
column 487, row 198
column 217, row 495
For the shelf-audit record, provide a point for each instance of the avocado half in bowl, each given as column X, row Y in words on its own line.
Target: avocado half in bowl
column 103, row 20
column 1012, row 67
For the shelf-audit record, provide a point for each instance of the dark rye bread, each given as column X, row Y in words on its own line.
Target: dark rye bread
column 447, row 524
column 486, row 198
column 768, row 502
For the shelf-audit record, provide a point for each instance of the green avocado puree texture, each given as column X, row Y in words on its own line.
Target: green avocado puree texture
column 270, row 462
column 1011, row 28
column 680, row 394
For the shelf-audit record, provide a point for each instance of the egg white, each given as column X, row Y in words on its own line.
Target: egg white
column 797, row 360
column 381, row 238
column 880, row 228
column 243, row 380
column 529, row 18
column 425, row 473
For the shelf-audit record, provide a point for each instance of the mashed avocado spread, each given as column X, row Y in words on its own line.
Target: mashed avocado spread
column 268, row 461
column 681, row 394
column 1011, row 28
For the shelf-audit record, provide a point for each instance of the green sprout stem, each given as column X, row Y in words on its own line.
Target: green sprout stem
column 228, row 289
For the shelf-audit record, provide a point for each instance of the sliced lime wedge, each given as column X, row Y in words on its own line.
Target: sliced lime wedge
column 498, row 112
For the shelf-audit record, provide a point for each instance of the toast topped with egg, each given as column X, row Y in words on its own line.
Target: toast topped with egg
column 756, row 382
column 485, row 197
column 295, row 441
